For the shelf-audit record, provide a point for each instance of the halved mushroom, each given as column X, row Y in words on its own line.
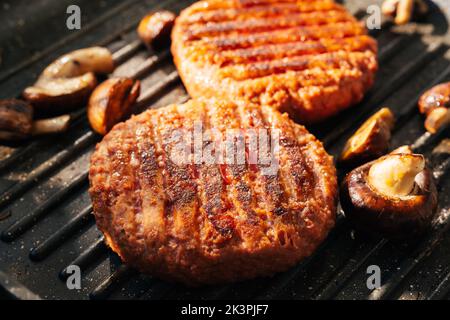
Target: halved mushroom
column 76, row 63
column 16, row 121
column 50, row 96
column 68, row 81
column 394, row 196
column 370, row 141
column 435, row 104
column 155, row 28
column 112, row 102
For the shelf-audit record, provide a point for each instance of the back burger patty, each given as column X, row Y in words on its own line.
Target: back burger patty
column 206, row 222
column 310, row 58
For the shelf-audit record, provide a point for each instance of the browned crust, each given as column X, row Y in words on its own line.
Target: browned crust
column 375, row 213
column 201, row 224
column 111, row 102
column 272, row 53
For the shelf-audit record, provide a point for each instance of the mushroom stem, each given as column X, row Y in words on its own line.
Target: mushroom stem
column 394, row 175
column 51, row 125
column 394, row 196
column 436, row 119
column 402, row 149
column 404, row 11
column 389, row 7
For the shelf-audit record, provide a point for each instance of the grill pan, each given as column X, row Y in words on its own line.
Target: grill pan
column 45, row 213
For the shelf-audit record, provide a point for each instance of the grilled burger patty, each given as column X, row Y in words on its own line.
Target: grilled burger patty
column 310, row 58
column 203, row 223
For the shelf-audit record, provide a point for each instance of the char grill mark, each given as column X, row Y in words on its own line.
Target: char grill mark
column 212, row 188
column 215, row 208
column 197, row 31
column 121, row 182
column 316, row 64
column 294, row 50
column 161, row 163
column 300, row 175
column 151, row 219
column 297, row 176
column 319, row 190
column 240, row 189
column 259, row 11
column 180, row 189
column 135, row 165
column 338, row 30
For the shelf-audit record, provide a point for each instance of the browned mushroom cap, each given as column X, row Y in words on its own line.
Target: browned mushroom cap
column 394, row 196
column 67, row 82
column 435, row 104
column 111, row 102
column 438, row 96
column 370, row 141
column 155, row 28
column 16, row 119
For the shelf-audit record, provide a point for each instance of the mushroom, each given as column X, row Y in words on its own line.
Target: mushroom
column 51, row 125
column 155, row 28
column 112, row 102
column 370, row 141
column 435, row 104
column 394, row 196
column 68, row 81
column 16, row 121
column 403, row 149
column 404, row 10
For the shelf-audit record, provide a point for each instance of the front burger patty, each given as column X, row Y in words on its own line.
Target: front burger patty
column 203, row 223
